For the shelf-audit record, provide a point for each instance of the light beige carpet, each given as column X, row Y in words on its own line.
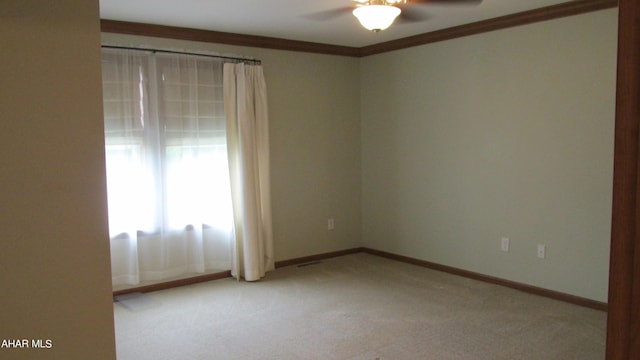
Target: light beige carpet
column 356, row 307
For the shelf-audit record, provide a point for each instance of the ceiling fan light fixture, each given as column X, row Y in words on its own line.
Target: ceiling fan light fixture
column 376, row 17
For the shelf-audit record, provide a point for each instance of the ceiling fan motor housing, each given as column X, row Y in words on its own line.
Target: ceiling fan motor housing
column 382, row 2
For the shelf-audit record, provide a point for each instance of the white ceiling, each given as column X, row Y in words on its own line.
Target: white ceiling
column 293, row 20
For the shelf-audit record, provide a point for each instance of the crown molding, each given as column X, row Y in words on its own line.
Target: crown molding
column 527, row 17
column 503, row 22
column 218, row 37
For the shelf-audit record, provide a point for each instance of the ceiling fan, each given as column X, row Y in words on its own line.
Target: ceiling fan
column 377, row 15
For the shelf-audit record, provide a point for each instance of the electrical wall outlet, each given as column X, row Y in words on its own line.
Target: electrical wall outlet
column 542, row 251
column 331, row 224
column 504, row 244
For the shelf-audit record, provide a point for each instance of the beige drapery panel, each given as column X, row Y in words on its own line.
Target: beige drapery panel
column 245, row 101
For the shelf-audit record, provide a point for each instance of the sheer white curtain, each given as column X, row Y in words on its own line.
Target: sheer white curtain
column 167, row 171
column 245, row 99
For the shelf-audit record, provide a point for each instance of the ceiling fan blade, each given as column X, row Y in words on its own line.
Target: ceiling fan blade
column 445, row 2
column 329, row 14
column 411, row 15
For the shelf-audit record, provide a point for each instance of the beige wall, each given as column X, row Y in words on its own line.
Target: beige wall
column 54, row 252
column 314, row 114
column 507, row 133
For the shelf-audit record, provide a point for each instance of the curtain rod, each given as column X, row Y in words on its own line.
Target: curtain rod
column 235, row 59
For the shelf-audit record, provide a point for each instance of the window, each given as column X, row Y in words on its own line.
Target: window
column 167, row 173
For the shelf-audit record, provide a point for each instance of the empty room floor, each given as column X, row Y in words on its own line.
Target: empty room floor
column 355, row 307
